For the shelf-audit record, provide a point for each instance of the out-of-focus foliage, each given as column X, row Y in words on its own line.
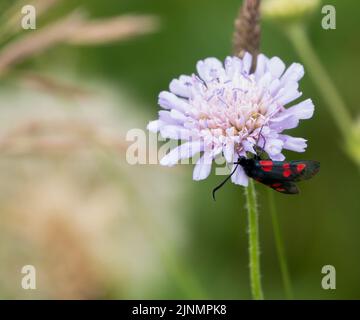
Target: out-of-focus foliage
column 289, row 10
column 95, row 226
column 71, row 205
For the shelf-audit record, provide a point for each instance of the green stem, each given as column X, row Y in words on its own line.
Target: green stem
column 254, row 248
column 320, row 77
column 279, row 246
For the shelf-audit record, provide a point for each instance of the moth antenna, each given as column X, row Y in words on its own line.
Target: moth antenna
column 258, row 138
column 222, row 183
column 264, row 142
column 257, row 141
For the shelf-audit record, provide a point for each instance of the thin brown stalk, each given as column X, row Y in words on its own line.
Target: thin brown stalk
column 75, row 30
column 39, row 41
column 113, row 29
column 11, row 18
column 247, row 29
column 37, row 136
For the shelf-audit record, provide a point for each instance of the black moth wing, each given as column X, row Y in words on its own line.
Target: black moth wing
column 292, row 171
column 281, row 175
column 286, row 187
column 309, row 169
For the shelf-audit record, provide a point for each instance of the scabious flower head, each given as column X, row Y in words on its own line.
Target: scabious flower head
column 227, row 109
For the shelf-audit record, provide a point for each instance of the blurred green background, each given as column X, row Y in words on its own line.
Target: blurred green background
column 192, row 247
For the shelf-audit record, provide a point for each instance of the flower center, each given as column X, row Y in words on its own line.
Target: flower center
column 228, row 109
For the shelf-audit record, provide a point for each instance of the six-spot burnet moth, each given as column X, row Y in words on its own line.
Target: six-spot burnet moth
column 278, row 175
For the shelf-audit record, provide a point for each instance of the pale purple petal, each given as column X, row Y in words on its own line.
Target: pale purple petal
column 210, row 69
column 168, row 100
column 166, row 118
column 233, row 66
column 276, row 67
column 247, row 61
column 261, row 66
column 303, row 110
column 185, row 151
column 277, row 157
column 288, row 93
column 288, row 122
column 265, row 80
column 240, row 177
column 154, row 126
column 229, row 152
column 175, row 132
column 203, row 167
column 273, row 146
column 177, row 115
column 294, row 144
column 294, row 73
column 182, row 86
column 216, row 151
column 274, row 87
column 248, row 146
column 288, row 118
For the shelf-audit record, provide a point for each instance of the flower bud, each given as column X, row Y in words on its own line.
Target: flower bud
column 288, row 10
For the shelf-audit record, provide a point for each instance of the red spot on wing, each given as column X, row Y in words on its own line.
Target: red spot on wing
column 287, row 171
column 266, row 165
column 276, row 185
column 300, row 167
column 280, row 189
